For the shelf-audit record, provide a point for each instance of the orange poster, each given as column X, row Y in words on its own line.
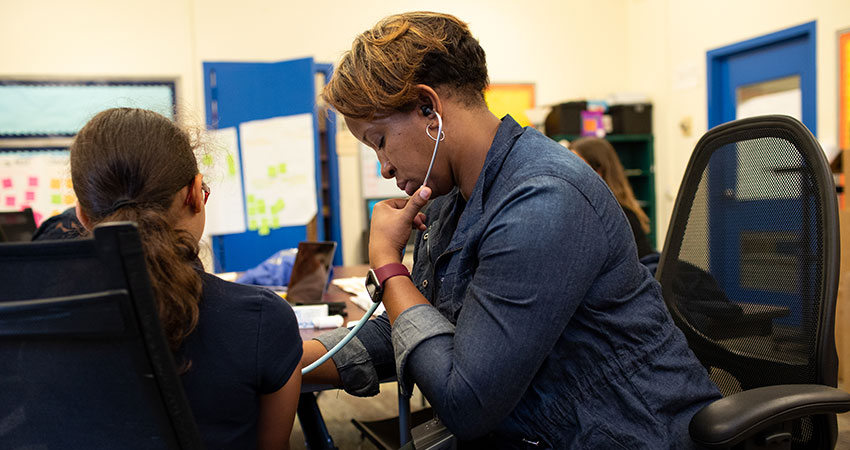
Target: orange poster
column 513, row 99
column 844, row 90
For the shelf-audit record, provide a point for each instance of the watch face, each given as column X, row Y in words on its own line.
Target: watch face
column 373, row 287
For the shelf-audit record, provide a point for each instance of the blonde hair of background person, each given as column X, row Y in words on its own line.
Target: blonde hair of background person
column 602, row 157
column 238, row 345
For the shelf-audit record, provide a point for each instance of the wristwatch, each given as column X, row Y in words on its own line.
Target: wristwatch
column 375, row 279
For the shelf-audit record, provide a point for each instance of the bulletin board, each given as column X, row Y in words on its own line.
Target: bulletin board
column 511, row 98
column 37, row 178
column 46, row 108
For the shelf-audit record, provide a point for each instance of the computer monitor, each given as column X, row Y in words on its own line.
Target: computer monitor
column 310, row 271
column 17, row 226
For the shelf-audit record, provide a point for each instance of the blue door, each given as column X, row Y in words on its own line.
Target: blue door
column 240, row 92
column 771, row 74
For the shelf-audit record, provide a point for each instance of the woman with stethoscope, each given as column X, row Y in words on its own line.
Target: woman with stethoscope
column 527, row 321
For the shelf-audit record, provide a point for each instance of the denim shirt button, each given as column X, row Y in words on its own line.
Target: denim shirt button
column 424, row 283
column 425, row 236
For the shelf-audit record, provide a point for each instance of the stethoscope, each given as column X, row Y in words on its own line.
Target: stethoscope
column 348, row 337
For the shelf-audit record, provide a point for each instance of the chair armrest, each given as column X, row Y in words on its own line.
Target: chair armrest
column 737, row 417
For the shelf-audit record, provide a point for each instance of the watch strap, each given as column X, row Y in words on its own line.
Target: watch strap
column 388, row 271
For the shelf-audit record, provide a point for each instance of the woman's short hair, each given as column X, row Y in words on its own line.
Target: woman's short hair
column 378, row 76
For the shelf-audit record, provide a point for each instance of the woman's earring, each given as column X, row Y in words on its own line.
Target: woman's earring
column 428, row 132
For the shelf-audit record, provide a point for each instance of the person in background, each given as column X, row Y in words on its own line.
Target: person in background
column 60, row 226
column 603, row 159
column 527, row 321
column 237, row 347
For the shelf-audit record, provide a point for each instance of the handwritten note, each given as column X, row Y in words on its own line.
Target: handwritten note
column 222, row 171
column 278, row 167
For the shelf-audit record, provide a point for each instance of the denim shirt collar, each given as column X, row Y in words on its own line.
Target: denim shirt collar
column 506, row 135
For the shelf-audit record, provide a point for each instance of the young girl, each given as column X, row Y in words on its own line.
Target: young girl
column 237, row 346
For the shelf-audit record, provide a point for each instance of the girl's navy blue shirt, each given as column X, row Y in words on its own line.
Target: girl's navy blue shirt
column 246, row 344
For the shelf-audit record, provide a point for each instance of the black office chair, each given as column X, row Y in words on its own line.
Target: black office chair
column 85, row 363
column 17, row 226
column 749, row 272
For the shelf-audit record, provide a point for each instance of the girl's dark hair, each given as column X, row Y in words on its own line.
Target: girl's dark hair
column 127, row 164
column 602, row 157
column 379, row 74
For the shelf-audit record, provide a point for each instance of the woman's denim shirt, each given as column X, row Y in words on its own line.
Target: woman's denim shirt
column 544, row 330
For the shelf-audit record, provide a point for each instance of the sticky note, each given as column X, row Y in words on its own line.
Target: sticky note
column 231, row 165
column 10, row 201
column 37, row 216
column 252, row 225
column 261, row 208
column 7, row 182
column 272, row 172
column 207, row 160
column 69, row 184
column 69, row 200
column 275, row 222
column 252, row 211
column 281, row 168
column 265, row 221
column 55, row 183
column 33, row 181
column 29, row 196
column 56, row 199
column 250, row 198
column 264, row 231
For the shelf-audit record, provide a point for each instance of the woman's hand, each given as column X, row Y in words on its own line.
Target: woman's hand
column 392, row 221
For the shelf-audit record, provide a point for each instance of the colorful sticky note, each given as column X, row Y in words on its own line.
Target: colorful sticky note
column 250, row 198
column 264, row 231
column 56, row 199
column 69, row 200
column 272, row 172
column 261, row 208
column 55, row 183
column 37, row 216
column 7, row 182
column 281, row 168
column 231, row 165
column 69, row 184
column 207, row 160
column 252, row 211
column 33, row 181
column 252, row 225
column 30, row 196
column 275, row 222
column 10, row 201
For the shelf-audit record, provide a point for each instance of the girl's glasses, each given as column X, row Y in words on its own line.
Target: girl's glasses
column 204, row 187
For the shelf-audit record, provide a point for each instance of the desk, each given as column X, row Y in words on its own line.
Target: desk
column 335, row 294
column 316, row 433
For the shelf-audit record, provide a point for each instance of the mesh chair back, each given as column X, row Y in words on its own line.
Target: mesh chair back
column 85, row 362
column 750, row 263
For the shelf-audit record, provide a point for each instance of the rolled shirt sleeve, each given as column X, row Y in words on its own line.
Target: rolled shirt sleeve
column 413, row 326
column 354, row 364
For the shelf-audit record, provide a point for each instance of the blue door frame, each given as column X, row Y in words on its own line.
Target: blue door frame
column 721, row 92
column 776, row 55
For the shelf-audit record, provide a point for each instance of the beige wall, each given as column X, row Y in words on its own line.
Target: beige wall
column 550, row 43
column 668, row 39
column 570, row 49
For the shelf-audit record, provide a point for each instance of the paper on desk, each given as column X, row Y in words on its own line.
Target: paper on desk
column 356, row 286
